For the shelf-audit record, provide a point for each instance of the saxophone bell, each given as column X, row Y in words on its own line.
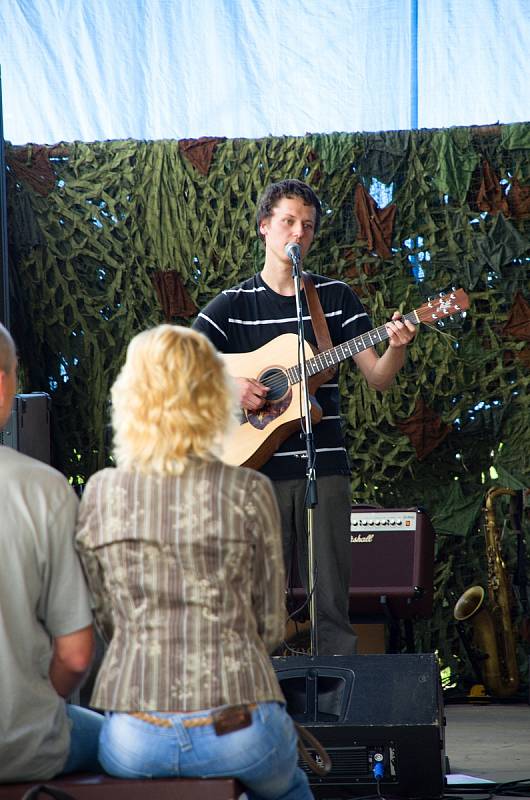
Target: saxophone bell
column 469, row 603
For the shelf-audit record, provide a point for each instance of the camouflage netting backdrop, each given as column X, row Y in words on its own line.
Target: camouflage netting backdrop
column 108, row 238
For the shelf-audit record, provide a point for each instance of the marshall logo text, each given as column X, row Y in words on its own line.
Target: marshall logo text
column 362, row 539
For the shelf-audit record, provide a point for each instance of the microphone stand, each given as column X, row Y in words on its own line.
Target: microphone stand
column 311, row 498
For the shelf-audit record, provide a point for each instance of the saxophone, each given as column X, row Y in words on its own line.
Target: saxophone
column 493, row 632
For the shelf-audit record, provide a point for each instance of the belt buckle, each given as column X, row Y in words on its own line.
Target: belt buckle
column 230, row 719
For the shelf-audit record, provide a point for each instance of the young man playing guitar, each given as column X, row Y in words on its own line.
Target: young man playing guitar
column 253, row 314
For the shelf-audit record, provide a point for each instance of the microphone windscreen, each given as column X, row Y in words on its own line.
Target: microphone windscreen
column 292, row 250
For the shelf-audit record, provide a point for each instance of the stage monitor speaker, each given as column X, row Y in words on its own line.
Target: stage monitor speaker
column 28, row 428
column 370, row 712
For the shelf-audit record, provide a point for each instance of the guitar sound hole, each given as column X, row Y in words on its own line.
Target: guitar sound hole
column 277, row 382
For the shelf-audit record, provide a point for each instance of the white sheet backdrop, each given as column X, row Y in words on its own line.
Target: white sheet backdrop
column 155, row 69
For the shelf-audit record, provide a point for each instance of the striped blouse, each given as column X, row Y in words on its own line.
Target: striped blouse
column 188, row 584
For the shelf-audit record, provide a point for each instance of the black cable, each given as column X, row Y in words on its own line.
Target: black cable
column 285, row 644
column 296, row 612
column 368, row 797
column 478, row 793
column 518, row 788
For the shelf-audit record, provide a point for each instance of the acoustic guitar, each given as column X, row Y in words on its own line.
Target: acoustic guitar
column 261, row 432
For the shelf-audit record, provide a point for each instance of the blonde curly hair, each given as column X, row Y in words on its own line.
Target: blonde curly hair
column 8, row 353
column 173, row 401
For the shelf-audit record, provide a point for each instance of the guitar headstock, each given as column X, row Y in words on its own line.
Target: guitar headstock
column 444, row 305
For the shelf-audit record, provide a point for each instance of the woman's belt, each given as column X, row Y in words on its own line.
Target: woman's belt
column 224, row 720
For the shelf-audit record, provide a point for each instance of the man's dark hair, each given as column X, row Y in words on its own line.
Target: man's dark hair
column 291, row 187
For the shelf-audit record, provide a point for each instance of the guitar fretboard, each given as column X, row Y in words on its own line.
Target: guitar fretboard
column 332, row 357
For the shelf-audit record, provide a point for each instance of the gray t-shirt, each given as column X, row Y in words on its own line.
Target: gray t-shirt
column 43, row 594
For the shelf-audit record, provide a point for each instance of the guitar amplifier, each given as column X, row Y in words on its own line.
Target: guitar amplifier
column 392, row 565
column 392, row 551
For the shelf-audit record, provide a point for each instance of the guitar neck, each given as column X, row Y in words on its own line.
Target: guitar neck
column 329, row 358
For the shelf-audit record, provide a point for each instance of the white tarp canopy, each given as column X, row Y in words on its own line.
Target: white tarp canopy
column 156, row 69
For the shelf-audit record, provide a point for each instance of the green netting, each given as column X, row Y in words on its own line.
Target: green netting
column 91, row 225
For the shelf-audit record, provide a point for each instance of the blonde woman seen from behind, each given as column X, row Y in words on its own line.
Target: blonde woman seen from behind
column 183, row 556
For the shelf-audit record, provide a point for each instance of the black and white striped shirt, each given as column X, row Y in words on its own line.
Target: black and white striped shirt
column 251, row 314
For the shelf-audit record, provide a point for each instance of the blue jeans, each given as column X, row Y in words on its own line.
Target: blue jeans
column 262, row 756
column 84, row 739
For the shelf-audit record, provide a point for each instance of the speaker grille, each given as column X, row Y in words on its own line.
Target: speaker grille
column 347, row 762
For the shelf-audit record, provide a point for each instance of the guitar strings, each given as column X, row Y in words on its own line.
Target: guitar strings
column 321, row 360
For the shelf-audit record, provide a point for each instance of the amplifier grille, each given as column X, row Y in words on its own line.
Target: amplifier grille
column 347, row 762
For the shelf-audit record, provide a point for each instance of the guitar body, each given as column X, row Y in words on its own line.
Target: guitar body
column 260, row 434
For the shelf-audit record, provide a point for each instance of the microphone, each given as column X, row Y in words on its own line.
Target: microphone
column 292, row 250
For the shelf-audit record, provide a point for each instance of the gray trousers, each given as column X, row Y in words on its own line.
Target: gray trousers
column 332, row 554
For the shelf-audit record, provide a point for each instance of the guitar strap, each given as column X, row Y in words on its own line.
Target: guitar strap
column 318, row 320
